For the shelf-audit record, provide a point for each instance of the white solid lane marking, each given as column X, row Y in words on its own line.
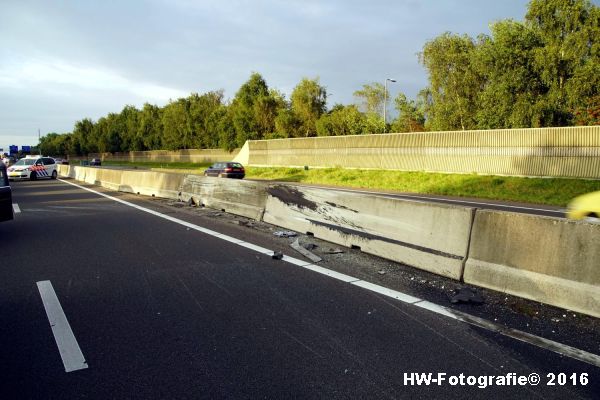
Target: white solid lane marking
column 256, row 248
column 68, row 347
column 295, row 261
column 538, row 341
column 16, row 208
column 330, row 273
column 435, row 308
column 543, row 343
column 405, row 298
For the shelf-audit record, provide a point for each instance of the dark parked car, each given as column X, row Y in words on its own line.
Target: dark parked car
column 226, row 170
column 96, row 162
column 6, row 208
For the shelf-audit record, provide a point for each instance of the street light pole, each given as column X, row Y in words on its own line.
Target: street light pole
column 385, row 101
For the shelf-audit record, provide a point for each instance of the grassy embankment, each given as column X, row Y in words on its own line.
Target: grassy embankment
column 549, row 191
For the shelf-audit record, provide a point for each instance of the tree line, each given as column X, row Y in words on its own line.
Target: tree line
column 543, row 71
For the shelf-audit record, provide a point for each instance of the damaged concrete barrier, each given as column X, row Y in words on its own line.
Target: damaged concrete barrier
column 546, row 259
column 239, row 197
column 432, row 237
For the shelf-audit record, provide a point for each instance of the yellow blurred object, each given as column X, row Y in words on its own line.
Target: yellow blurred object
column 587, row 205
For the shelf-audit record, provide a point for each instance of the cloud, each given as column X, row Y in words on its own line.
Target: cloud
column 59, row 77
column 63, row 61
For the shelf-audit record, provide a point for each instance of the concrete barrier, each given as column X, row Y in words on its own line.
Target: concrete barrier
column 87, row 175
column 551, row 260
column 432, row 237
column 150, row 183
column 109, row 178
column 66, row 171
column 239, row 197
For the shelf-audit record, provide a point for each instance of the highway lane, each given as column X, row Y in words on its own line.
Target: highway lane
column 162, row 311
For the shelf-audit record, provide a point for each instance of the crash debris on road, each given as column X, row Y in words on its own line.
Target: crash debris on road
column 300, row 249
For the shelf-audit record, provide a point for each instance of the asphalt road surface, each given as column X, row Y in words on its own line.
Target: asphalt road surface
column 160, row 310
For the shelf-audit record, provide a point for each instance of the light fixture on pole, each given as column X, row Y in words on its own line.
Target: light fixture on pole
column 385, row 101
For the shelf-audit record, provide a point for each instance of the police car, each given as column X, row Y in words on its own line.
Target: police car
column 32, row 168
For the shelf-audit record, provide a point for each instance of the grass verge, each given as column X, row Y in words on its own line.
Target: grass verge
column 548, row 191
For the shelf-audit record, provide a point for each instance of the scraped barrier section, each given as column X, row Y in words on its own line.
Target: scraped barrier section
column 239, row 197
column 432, row 237
column 546, row 259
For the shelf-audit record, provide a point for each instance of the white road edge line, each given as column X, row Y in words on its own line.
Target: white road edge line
column 537, row 341
column 16, row 208
column 68, row 347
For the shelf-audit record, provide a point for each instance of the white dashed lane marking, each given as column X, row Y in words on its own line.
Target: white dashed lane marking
column 69, row 350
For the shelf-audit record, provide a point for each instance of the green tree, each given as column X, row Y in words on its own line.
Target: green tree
column 226, row 129
column 589, row 113
column 150, row 128
column 411, row 116
column 247, row 102
column 513, row 90
column 108, row 132
column 48, row 144
column 265, row 111
column 129, row 121
column 308, row 103
column 342, row 120
column 569, row 61
column 72, row 145
column 373, row 124
column 453, row 82
column 371, row 98
column 201, row 107
column 287, row 124
column 212, row 128
column 83, row 132
column 177, row 125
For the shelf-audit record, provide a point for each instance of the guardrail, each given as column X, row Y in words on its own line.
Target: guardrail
column 546, row 259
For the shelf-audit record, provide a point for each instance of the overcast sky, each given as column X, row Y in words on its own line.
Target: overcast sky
column 61, row 61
